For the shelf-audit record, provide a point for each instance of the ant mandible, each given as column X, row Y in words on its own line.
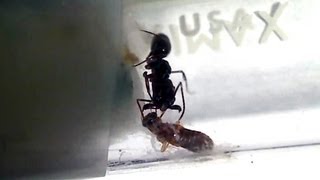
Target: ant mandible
column 163, row 91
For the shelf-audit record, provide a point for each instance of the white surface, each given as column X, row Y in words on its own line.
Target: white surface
column 287, row 163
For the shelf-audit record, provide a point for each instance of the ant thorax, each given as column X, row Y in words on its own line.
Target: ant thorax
column 160, row 69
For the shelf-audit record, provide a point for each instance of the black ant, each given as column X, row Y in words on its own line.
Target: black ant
column 176, row 134
column 163, row 91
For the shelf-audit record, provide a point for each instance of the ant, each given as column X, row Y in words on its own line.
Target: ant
column 176, row 134
column 163, row 91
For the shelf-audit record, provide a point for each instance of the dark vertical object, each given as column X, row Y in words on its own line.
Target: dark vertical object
column 58, row 65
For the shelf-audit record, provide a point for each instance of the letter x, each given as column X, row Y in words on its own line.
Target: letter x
column 271, row 22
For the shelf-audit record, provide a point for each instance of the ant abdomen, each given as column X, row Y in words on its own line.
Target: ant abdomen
column 195, row 141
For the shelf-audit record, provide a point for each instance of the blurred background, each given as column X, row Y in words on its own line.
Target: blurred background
column 59, row 62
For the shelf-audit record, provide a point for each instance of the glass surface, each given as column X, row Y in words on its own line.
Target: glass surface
column 252, row 69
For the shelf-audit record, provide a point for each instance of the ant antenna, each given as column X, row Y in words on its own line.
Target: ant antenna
column 149, row 56
column 148, row 32
column 135, row 65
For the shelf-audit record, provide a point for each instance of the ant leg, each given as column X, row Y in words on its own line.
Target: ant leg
column 146, row 80
column 138, row 102
column 176, row 107
column 164, row 146
column 164, row 143
column 183, row 101
column 163, row 109
column 162, row 113
column 184, row 78
column 149, row 106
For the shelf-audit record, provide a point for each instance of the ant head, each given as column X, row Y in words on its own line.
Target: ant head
column 150, row 119
column 160, row 46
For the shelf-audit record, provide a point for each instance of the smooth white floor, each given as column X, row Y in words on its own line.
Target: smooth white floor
column 286, row 163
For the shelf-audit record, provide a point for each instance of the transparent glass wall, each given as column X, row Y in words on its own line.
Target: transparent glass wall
column 253, row 71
